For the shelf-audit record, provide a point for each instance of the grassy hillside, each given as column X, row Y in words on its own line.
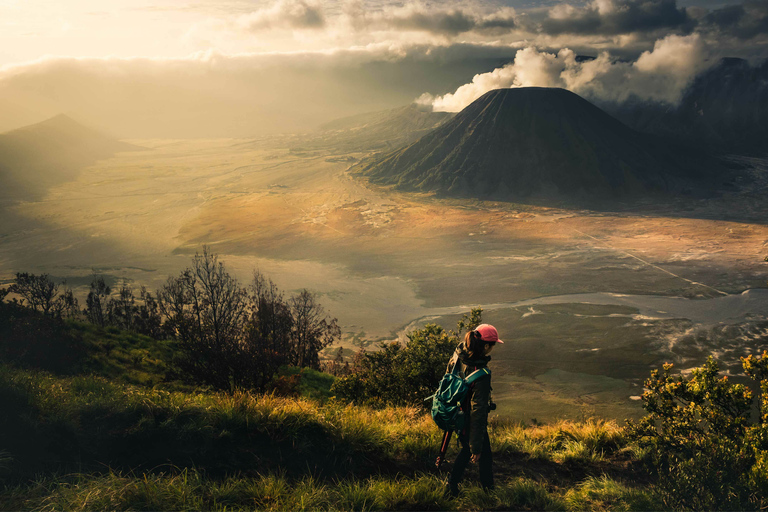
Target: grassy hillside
column 89, row 443
column 112, row 429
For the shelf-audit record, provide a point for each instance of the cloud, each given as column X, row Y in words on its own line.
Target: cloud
column 658, row 75
column 411, row 17
column 287, row 14
column 743, row 21
column 450, row 21
column 612, row 17
column 626, row 28
column 211, row 94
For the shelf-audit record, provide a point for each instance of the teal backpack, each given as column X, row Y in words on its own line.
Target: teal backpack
column 447, row 400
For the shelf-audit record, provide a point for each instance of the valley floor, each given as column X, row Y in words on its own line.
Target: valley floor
column 383, row 260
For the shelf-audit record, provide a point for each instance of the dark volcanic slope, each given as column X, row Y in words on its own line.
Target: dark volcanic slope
column 725, row 108
column 532, row 142
column 38, row 156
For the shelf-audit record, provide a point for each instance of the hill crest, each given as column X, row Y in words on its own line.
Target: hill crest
column 37, row 156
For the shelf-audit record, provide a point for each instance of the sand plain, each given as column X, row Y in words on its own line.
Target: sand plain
column 381, row 259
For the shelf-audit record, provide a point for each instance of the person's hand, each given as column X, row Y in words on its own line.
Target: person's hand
column 475, row 459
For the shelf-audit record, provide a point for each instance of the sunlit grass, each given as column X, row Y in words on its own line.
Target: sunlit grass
column 564, row 441
column 315, row 455
column 189, row 490
column 604, row 494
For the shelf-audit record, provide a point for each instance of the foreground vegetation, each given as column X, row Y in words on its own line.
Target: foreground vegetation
column 96, row 417
column 87, row 443
column 115, row 435
column 227, row 336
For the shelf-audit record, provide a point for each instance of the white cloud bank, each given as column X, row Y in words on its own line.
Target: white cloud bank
column 659, row 75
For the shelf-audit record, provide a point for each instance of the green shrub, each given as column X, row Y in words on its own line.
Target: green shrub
column 404, row 374
column 701, row 440
column 31, row 339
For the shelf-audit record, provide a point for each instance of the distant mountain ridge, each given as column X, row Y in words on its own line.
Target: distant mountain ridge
column 533, row 141
column 380, row 130
column 35, row 157
column 725, row 108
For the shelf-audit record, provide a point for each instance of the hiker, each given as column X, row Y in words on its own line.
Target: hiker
column 473, row 354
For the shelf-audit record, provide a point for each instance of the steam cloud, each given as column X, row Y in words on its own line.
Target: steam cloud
column 658, row 75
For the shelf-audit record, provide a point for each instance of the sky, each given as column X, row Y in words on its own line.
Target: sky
column 178, row 68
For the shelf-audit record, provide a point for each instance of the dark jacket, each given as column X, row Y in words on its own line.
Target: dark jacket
column 480, row 396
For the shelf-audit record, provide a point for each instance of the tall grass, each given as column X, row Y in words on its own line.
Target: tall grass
column 564, row 441
column 133, row 427
column 605, row 494
column 190, row 490
column 181, row 450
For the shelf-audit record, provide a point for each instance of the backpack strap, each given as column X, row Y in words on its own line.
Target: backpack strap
column 478, row 374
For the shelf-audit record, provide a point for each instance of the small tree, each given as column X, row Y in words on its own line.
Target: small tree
column 36, row 291
column 121, row 310
column 267, row 344
column 40, row 293
column 204, row 308
column 233, row 337
column 147, row 319
column 312, row 330
column 337, row 366
column 96, row 302
column 69, row 307
column 404, row 374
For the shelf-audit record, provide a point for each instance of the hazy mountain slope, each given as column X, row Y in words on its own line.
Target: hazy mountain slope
column 38, row 156
column 726, row 108
column 385, row 129
column 531, row 142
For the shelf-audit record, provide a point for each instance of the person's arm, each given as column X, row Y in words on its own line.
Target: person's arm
column 478, row 419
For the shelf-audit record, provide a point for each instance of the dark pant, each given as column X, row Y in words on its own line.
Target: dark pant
column 486, row 463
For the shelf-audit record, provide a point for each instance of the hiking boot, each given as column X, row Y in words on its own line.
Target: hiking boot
column 452, row 491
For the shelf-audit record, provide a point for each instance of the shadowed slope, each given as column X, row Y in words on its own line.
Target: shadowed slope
column 725, row 108
column 533, row 142
column 38, row 156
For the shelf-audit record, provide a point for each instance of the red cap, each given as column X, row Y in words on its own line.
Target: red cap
column 488, row 333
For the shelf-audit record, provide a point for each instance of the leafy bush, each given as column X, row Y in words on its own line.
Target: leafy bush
column 30, row 338
column 707, row 451
column 404, row 374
